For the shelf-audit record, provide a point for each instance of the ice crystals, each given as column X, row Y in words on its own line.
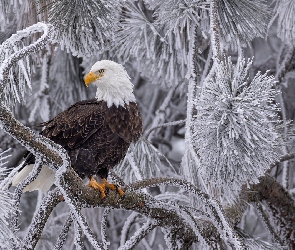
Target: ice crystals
column 235, row 129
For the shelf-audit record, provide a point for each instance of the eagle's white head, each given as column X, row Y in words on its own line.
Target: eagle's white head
column 112, row 82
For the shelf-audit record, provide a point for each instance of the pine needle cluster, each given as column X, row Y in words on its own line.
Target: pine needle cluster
column 235, row 128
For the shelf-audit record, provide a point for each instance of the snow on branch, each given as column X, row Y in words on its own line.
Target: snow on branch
column 239, row 21
column 39, row 220
column 12, row 52
column 8, row 240
column 163, row 125
column 63, row 234
column 214, row 30
column 89, row 23
column 105, row 241
column 285, row 11
column 236, row 128
column 139, row 235
column 280, row 207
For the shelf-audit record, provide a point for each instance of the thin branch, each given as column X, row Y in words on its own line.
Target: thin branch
column 214, row 207
column 160, row 113
column 15, row 57
column 104, row 223
column 37, row 225
column 281, row 72
column 168, row 181
column 269, row 191
column 74, row 203
column 163, row 125
column 19, row 190
column 126, row 228
column 63, row 234
column 214, row 29
column 283, row 158
column 78, row 242
column 139, row 235
column 266, row 223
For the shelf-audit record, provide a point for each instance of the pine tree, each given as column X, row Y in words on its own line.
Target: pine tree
column 213, row 80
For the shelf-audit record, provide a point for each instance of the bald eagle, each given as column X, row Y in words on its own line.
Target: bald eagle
column 95, row 133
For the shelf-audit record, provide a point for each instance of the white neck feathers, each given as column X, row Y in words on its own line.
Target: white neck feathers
column 115, row 88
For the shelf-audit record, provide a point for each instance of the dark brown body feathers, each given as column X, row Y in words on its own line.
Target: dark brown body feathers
column 96, row 137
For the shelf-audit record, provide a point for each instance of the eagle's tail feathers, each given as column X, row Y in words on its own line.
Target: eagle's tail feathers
column 43, row 182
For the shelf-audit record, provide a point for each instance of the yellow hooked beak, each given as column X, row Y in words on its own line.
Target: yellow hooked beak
column 90, row 77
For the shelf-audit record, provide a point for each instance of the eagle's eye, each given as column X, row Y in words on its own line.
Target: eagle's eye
column 100, row 71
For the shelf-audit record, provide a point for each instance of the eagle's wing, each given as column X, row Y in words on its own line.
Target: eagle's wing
column 72, row 127
column 127, row 123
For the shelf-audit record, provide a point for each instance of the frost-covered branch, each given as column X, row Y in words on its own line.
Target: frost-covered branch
column 126, row 228
column 280, row 203
column 282, row 158
column 78, row 242
column 35, row 230
column 105, row 241
column 218, row 217
column 14, row 58
column 19, row 190
column 265, row 221
column 214, row 29
column 35, row 143
column 139, row 235
column 285, row 65
column 163, row 125
column 160, row 113
column 63, row 234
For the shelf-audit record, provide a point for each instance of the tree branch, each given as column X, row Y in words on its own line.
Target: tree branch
column 163, row 125
column 63, row 234
column 281, row 204
column 104, row 220
column 39, row 220
column 139, row 235
column 214, row 29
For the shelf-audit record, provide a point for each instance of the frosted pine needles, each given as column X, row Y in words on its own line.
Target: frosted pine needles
column 235, row 129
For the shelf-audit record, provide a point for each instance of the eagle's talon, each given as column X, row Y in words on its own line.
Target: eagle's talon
column 120, row 191
column 95, row 185
column 102, row 187
column 108, row 185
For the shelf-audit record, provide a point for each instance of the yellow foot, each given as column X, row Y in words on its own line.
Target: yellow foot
column 102, row 186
